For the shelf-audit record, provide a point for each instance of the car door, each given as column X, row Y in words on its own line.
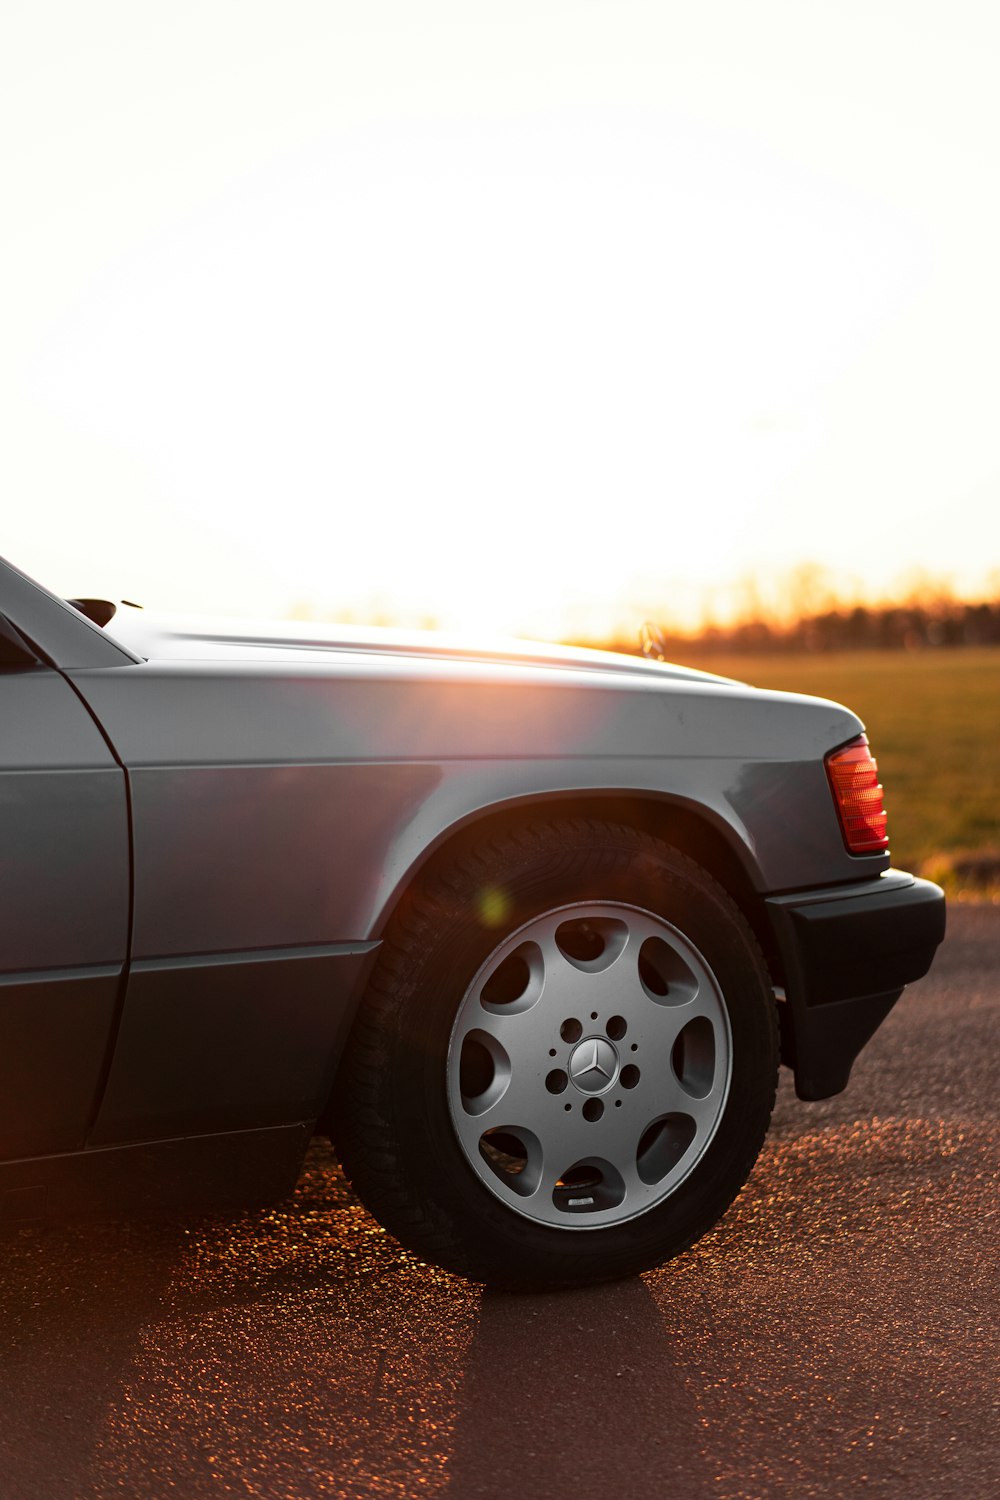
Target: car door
column 64, row 900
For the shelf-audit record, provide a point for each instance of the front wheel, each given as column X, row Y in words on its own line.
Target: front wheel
column 566, row 1063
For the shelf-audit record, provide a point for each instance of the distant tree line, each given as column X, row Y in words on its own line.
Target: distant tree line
column 944, row 624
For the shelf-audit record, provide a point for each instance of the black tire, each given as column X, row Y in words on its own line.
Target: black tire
column 399, row 1103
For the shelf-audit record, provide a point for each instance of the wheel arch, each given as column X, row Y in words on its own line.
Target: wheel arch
column 688, row 827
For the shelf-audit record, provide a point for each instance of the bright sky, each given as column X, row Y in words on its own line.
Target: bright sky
column 548, row 316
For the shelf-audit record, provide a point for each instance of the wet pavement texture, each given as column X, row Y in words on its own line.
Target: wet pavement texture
column 836, row 1331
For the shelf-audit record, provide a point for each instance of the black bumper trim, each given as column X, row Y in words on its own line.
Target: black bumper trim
column 847, row 953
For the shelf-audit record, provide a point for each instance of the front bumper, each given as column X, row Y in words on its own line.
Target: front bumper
column 847, row 953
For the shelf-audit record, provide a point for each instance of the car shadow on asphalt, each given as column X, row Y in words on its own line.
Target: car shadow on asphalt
column 300, row 1352
column 73, row 1302
column 575, row 1394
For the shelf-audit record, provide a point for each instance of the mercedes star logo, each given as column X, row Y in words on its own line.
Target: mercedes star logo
column 593, row 1066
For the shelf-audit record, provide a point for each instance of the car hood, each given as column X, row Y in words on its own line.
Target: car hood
column 166, row 637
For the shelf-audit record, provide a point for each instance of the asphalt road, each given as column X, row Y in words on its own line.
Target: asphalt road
column 837, row 1331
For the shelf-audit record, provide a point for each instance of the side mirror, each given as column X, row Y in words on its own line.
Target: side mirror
column 98, row 610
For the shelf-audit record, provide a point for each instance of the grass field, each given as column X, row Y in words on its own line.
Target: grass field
column 933, row 719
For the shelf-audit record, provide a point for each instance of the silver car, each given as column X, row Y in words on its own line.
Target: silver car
column 526, row 934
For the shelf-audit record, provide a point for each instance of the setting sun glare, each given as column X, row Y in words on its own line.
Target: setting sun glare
column 534, row 321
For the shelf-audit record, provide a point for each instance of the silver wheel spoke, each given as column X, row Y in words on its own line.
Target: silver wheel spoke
column 578, row 990
column 522, row 1103
column 519, row 1037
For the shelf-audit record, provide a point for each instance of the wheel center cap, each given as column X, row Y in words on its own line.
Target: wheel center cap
column 593, row 1065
